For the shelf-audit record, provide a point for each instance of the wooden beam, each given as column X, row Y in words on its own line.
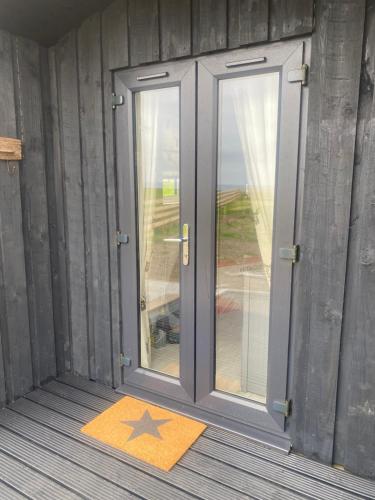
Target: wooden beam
column 355, row 422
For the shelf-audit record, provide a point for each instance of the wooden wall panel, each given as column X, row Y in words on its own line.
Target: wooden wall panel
column 143, row 24
column 115, row 35
column 290, row 18
column 56, row 217
column 15, row 359
column 209, row 25
column 175, row 29
column 334, row 90
column 73, row 210
column 95, row 203
column 27, row 340
column 34, row 207
column 355, row 428
column 247, row 22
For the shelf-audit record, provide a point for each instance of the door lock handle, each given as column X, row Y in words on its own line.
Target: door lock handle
column 185, row 240
column 175, row 240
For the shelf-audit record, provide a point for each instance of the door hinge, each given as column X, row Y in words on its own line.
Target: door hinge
column 117, row 100
column 122, row 238
column 298, row 75
column 284, row 407
column 290, row 253
column 125, row 360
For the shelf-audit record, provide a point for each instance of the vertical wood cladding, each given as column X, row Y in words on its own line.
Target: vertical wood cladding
column 27, row 342
column 355, row 428
column 332, row 119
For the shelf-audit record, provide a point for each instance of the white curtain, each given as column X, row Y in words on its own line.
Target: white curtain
column 255, row 102
column 147, row 114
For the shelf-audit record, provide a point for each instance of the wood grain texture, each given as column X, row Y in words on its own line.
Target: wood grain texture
column 334, row 90
column 355, row 426
column 73, row 209
column 112, row 208
column 247, row 22
column 143, row 20
column 56, row 217
column 34, row 208
column 59, row 296
column 175, row 29
column 209, row 25
column 290, row 18
column 10, row 149
column 15, row 359
column 115, row 33
column 95, row 209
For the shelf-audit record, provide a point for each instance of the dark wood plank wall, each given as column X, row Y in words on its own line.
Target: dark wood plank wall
column 130, row 33
column 27, row 353
column 321, row 274
column 355, row 430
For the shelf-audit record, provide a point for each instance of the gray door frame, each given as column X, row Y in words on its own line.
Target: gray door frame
column 194, row 394
column 283, row 58
column 126, row 83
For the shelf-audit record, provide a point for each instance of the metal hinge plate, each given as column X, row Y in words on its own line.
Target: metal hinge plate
column 298, row 75
column 290, row 253
column 117, row 100
column 122, row 238
column 125, row 360
column 283, row 407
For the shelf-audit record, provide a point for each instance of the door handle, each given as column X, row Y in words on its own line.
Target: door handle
column 174, row 240
column 185, row 240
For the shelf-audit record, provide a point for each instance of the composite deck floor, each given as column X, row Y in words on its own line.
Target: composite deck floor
column 43, row 455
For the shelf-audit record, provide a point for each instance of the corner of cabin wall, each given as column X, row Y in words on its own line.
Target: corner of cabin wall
column 27, row 353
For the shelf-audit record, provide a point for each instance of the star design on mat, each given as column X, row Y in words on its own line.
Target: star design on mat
column 145, row 425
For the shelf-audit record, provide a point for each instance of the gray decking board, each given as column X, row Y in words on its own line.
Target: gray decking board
column 279, row 476
column 40, row 440
column 194, row 483
column 20, row 481
column 307, row 467
column 185, row 479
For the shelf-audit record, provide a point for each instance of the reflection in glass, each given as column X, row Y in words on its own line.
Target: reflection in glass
column 248, row 111
column 158, row 163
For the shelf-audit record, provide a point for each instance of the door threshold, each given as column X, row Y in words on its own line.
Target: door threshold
column 280, row 441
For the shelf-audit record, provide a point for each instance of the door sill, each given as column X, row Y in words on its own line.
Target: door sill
column 280, row 441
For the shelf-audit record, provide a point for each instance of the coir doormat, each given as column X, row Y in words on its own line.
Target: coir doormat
column 157, row 436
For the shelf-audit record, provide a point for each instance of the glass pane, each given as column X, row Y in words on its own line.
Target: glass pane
column 158, row 165
column 248, row 111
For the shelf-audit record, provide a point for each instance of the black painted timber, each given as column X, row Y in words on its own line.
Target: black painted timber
column 355, row 427
column 43, row 454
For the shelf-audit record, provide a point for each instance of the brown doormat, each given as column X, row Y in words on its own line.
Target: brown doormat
column 157, row 436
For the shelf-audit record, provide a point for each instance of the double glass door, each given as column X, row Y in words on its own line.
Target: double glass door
column 207, row 156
